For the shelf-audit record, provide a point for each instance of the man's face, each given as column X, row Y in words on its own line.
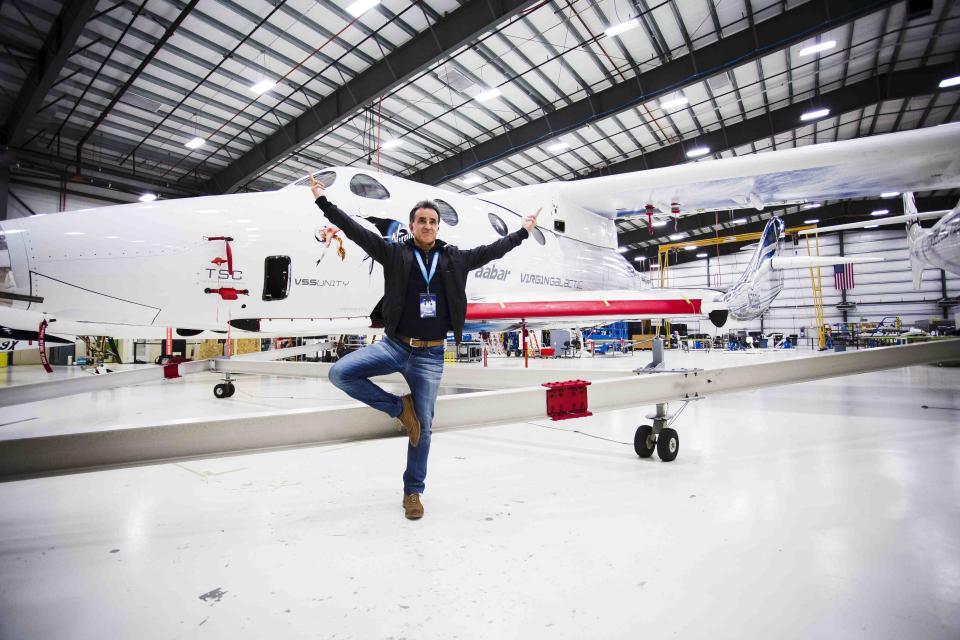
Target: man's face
column 424, row 226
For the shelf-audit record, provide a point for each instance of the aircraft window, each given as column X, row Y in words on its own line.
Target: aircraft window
column 276, row 277
column 538, row 235
column 326, row 178
column 447, row 213
column 498, row 225
column 366, row 187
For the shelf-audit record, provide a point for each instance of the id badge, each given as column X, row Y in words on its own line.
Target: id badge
column 428, row 305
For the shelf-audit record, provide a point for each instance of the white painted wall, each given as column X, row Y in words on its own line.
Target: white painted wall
column 47, row 201
column 882, row 289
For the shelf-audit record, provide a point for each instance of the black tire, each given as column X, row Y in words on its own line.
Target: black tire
column 643, row 441
column 220, row 391
column 230, row 389
column 668, row 445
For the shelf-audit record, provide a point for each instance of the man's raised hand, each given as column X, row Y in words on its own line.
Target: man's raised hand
column 530, row 222
column 316, row 187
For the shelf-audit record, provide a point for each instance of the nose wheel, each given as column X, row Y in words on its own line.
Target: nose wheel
column 224, row 389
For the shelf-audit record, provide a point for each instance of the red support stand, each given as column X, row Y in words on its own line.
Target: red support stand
column 567, row 399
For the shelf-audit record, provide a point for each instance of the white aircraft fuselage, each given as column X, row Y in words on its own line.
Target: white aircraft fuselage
column 133, row 270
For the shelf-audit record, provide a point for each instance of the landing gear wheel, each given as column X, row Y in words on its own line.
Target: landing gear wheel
column 222, row 390
column 643, row 441
column 230, row 389
column 668, row 444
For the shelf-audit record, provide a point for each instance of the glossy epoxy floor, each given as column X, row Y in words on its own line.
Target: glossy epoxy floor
column 827, row 509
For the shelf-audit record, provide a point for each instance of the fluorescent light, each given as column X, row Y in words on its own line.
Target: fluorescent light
column 488, row 94
column 74, row 233
column 811, row 221
column 739, row 221
column 360, row 7
column 623, row 27
column 696, row 152
column 148, row 197
column 472, row 179
column 391, row 144
column 701, row 255
column 263, row 86
column 950, row 82
column 640, row 258
column 812, row 205
column 195, row 143
column 813, row 115
column 880, row 212
column 659, row 223
column 676, row 236
column 622, row 249
column 670, row 103
column 560, row 146
column 890, row 194
column 871, row 226
column 817, row 48
column 691, row 247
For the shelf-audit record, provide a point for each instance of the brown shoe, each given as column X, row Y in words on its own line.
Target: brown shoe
column 412, row 507
column 408, row 418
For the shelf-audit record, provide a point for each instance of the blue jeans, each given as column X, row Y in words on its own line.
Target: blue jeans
column 421, row 368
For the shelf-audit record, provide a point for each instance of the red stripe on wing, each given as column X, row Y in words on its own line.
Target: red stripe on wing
column 579, row 308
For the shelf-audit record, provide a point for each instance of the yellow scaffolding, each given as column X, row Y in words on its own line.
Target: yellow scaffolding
column 816, row 285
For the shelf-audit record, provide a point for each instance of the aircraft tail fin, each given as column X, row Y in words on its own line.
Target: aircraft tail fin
column 914, row 234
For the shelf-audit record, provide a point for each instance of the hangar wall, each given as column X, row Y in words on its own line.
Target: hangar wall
column 47, row 201
column 881, row 289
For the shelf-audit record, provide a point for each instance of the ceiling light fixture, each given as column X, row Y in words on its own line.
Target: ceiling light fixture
column 880, row 212
column 739, row 221
column 148, row 197
column 814, row 115
column 817, row 48
column 263, row 86
column 676, row 236
column 701, row 255
column 871, row 226
column 560, row 146
column 696, row 152
column 360, row 7
column 811, row 221
column 622, row 249
column 950, row 82
column 659, row 223
column 670, row 103
column 472, row 179
column 391, row 144
column 195, row 143
column 640, row 258
column 812, row 205
column 488, row 94
column 623, row 27
column 691, row 247
column 890, row 194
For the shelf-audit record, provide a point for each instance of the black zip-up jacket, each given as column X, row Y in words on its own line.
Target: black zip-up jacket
column 454, row 266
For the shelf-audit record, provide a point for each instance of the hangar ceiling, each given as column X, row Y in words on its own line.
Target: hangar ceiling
column 104, row 97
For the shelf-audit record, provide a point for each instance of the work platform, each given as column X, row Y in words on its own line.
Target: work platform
column 803, row 508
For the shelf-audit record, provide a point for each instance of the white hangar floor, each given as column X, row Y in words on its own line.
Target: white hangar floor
column 824, row 509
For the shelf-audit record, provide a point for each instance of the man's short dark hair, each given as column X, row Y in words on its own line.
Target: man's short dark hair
column 425, row 204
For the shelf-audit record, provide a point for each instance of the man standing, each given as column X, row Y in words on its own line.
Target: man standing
column 424, row 297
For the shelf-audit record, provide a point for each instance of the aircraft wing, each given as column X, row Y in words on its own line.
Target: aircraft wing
column 918, row 160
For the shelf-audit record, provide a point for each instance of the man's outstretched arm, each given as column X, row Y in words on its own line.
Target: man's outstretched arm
column 479, row 256
column 372, row 243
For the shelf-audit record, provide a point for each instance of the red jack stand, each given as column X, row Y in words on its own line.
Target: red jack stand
column 567, row 399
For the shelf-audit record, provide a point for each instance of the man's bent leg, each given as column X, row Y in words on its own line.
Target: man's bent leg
column 350, row 374
column 422, row 373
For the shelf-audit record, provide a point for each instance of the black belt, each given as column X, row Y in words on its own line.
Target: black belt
column 418, row 343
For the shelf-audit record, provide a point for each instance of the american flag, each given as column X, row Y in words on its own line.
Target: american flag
column 843, row 276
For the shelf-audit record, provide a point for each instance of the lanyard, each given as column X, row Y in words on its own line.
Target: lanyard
column 423, row 267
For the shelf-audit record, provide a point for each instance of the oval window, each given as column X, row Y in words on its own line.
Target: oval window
column 366, row 187
column 326, row 178
column 447, row 213
column 498, row 225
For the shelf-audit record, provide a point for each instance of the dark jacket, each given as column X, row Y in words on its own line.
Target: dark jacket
column 397, row 259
